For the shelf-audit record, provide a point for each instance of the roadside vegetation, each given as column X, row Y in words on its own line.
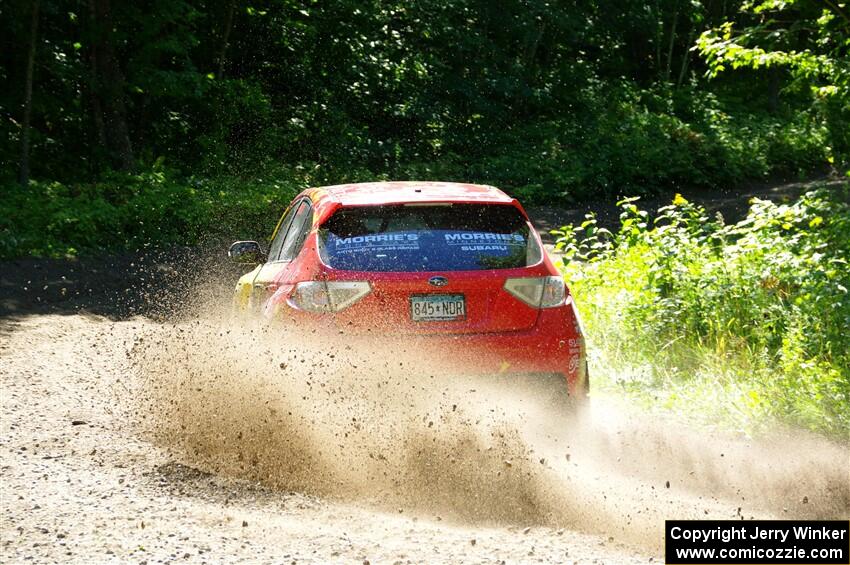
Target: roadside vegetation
column 129, row 212
column 739, row 325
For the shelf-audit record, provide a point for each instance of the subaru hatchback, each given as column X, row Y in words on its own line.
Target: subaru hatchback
column 458, row 266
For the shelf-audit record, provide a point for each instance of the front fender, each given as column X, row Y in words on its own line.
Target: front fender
column 242, row 292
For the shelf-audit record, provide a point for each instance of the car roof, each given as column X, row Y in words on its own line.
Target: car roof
column 402, row 192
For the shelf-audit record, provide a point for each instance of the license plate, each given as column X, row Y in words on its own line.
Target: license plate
column 437, row 307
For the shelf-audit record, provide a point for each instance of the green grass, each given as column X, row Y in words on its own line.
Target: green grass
column 740, row 325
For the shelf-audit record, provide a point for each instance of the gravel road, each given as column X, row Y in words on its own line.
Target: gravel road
column 111, row 452
column 80, row 485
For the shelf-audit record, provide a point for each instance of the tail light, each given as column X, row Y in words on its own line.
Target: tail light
column 327, row 296
column 538, row 292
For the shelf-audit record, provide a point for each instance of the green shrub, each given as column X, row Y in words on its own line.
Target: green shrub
column 128, row 212
column 741, row 323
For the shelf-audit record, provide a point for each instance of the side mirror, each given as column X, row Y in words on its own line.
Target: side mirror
column 246, row 252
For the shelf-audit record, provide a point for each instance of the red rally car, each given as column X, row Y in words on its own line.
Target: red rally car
column 458, row 266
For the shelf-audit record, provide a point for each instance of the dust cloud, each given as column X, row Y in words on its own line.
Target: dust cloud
column 392, row 425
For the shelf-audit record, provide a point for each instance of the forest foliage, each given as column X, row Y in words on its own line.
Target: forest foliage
column 107, row 106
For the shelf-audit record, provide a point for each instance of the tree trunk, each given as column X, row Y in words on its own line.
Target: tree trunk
column 109, row 88
column 24, row 172
column 94, row 98
column 225, row 37
column 669, row 65
column 686, row 59
column 774, row 80
column 659, row 35
column 531, row 49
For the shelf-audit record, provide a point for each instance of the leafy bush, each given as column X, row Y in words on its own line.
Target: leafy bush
column 135, row 211
column 745, row 322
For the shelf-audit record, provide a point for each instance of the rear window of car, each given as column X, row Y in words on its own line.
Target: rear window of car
column 428, row 237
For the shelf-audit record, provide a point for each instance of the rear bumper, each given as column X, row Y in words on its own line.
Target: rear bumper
column 553, row 346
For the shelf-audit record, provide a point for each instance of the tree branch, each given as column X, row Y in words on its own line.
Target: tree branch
column 838, row 11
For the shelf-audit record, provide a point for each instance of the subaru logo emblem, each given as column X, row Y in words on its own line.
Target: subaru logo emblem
column 438, row 281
